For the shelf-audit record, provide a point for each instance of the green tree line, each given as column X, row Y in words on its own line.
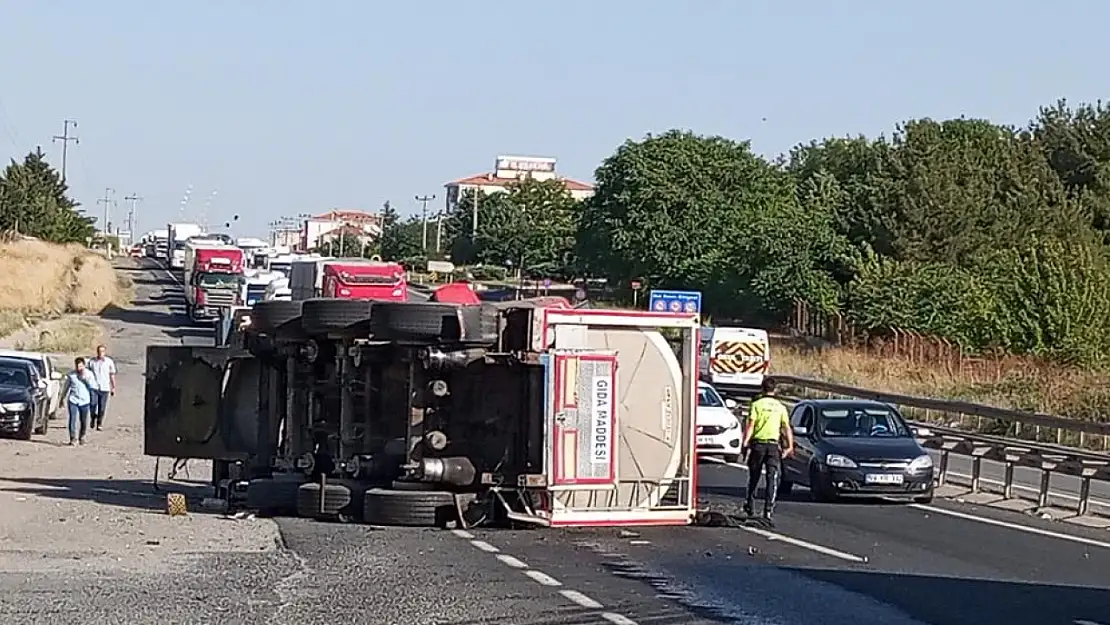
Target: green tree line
column 34, row 201
column 989, row 235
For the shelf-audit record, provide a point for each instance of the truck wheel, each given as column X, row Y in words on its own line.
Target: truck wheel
column 270, row 316
column 339, row 502
column 332, row 316
column 410, row 508
column 272, row 497
column 412, row 486
column 426, row 322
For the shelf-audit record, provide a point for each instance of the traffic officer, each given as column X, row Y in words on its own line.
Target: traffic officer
column 768, row 424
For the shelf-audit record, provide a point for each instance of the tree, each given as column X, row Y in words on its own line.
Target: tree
column 531, row 225
column 704, row 213
column 400, row 239
column 33, row 202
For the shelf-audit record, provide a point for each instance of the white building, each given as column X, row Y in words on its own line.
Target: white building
column 320, row 229
column 509, row 169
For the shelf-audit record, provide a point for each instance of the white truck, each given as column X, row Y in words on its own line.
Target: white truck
column 178, row 234
column 306, row 277
column 734, row 360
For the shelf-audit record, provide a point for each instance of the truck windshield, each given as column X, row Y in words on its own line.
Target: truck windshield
column 219, row 280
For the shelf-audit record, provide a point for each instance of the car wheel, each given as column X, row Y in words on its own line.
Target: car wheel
column 819, row 489
column 785, row 488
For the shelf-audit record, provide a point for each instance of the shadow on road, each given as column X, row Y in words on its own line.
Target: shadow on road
column 143, row 316
column 962, row 601
column 137, row 494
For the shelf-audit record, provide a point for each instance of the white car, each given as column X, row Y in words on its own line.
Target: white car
column 719, row 431
column 50, row 376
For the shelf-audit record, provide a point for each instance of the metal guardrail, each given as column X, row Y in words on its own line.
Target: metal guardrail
column 1047, row 458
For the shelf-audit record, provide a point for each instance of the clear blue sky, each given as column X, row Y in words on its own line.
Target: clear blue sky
column 285, row 107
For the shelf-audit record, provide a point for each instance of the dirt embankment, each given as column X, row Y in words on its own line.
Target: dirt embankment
column 42, row 282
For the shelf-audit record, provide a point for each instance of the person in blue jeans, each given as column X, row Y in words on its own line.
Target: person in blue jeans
column 79, row 383
column 103, row 370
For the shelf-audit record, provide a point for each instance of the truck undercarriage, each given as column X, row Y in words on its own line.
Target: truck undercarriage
column 427, row 414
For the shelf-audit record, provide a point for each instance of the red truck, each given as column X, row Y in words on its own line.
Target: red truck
column 213, row 278
column 362, row 279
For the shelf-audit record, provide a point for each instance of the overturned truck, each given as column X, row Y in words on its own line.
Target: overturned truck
column 427, row 414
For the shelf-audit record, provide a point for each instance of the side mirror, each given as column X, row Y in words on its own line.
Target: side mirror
column 801, row 430
column 55, row 375
column 41, row 383
column 731, row 404
column 922, row 432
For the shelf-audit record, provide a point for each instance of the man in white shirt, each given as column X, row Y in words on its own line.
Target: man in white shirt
column 103, row 370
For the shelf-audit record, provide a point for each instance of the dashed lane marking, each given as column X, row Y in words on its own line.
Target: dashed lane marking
column 1028, row 529
column 804, row 544
column 542, row 578
column 484, row 546
column 576, row 597
column 511, row 561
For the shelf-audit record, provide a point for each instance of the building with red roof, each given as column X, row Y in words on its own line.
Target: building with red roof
column 509, row 169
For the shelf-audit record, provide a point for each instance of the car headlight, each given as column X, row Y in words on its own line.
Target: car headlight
column 840, row 462
column 14, row 407
column 921, row 463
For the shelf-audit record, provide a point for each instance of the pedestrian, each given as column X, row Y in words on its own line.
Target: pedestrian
column 79, row 383
column 768, row 424
column 104, row 375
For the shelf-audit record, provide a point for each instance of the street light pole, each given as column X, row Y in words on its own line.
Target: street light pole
column 424, row 199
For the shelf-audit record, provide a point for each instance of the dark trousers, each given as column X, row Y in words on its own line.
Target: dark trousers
column 764, row 455
column 98, row 407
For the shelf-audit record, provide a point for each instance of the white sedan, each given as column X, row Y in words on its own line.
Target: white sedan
column 719, row 431
column 48, row 375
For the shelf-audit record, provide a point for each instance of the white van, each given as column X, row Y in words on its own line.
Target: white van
column 734, row 360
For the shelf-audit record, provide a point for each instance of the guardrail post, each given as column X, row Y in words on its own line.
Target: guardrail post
column 1011, row 455
column 1048, row 463
column 977, row 453
column 945, row 449
column 1087, row 471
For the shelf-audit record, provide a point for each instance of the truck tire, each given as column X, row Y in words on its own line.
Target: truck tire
column 409, row 321
column 330, row 316
column 409, row 508
column 270, row 316
column 339, row 502
column 412, row 486
column 273, row 497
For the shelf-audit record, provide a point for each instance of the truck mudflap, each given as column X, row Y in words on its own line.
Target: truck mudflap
column 201, row 402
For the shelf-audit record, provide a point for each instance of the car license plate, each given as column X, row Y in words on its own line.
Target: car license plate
column 705, row 440
column 883, row 478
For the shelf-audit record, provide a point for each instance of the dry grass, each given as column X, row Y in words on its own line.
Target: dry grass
column 42, row 280
column 1007, row 383
column 67, row 336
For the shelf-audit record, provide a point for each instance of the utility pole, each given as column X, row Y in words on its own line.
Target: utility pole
column 424, row 199
column 474, row 217
column 65, row 138
column 134, row 198
column 107, row 202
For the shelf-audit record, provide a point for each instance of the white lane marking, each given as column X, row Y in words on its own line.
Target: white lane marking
column 797, row 542
column 1029, row 489
column 484, row 546
column 514, row 562
column 586, row 602
column 542, row 578
column 1013, row 526
column 1083, row 622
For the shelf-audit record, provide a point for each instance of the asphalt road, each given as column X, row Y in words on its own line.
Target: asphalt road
column 945, row 564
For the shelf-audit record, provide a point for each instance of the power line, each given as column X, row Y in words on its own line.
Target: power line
column 107, row 201
column 424, row 199
column 65, row 138
column 134, row 198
